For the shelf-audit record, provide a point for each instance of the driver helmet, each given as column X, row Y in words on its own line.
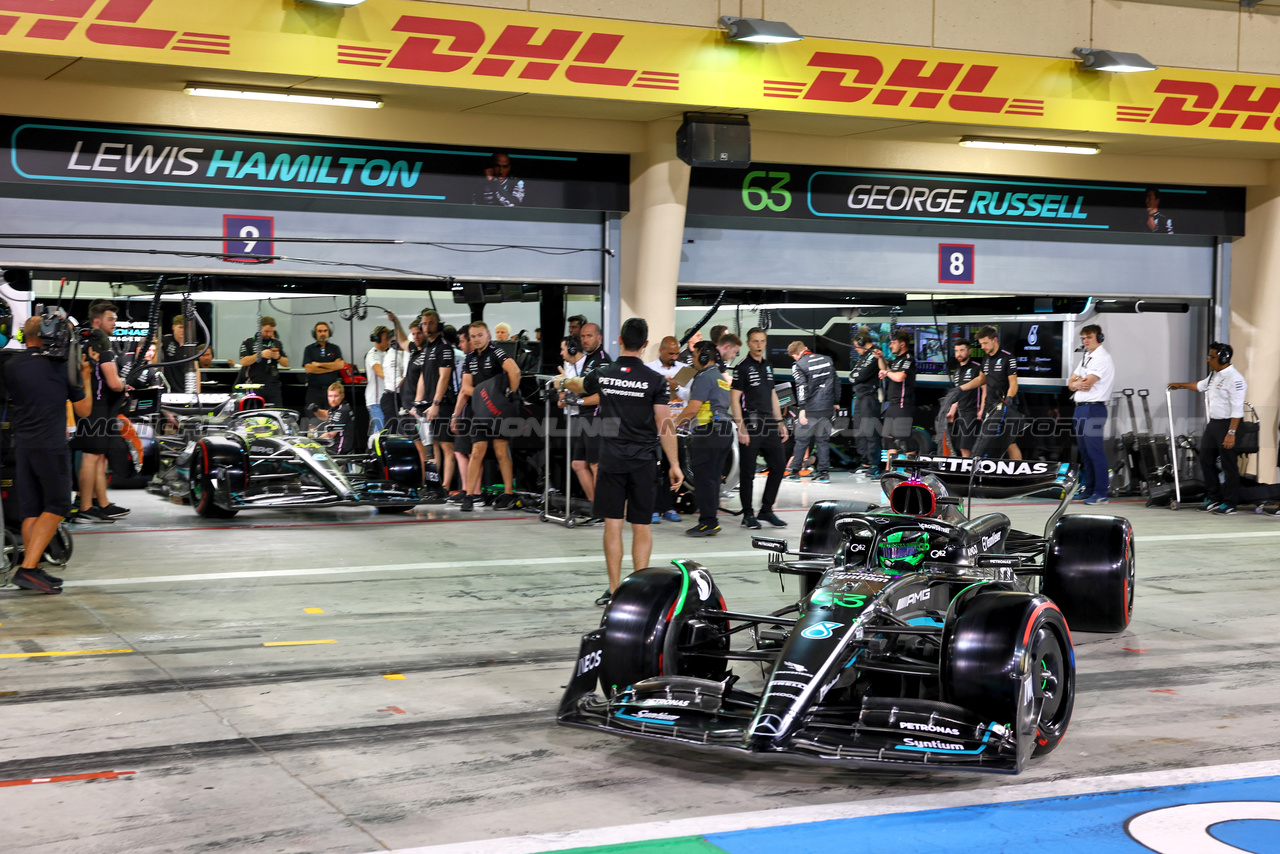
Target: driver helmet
column 260, row 426
column 903, row 551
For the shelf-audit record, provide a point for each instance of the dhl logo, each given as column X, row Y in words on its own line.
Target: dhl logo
column 1188, row 103
column 112, row 24
column 849, row 78
column 446, row 46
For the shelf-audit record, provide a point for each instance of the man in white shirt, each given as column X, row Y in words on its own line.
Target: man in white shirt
column 668, row 364
column 375, row 376
column 1226, row 390
column 1091, row 383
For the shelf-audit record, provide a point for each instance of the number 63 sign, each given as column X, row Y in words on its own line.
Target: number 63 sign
column 247, row 236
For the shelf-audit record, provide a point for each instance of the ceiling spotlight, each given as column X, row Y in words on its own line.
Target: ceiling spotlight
column 758, row 30
column 206, row 90
column 1041, row 145
column 1094, row 59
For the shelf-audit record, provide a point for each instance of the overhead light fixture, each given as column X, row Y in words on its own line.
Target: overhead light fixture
column 331, row 2
column 1094, row 59
column 1042, row 145
column 206, row 90
column 758, row 30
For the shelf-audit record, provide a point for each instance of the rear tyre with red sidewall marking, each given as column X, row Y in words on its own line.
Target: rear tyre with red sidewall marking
column 224, row 456
column 1007, row 656
column 1089, row 572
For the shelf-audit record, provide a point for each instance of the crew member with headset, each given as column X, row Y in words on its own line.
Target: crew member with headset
column 39, row 387
column 633, row 399
column 711, row 440
column 322, row 360
column 900, row 394
column 1226, row 388
column 761, row 432
column 865, row 376
column 816, row 390
column 376, row 377
column 262, row 356
column 1091, row 383
column 171, row 350
column 434, row 387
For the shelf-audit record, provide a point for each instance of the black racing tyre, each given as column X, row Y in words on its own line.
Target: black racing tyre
column 1089, row 572
column 645, row 637
column 214, row 453
column 1007, row 656
column 395, row 459
column 61, row 547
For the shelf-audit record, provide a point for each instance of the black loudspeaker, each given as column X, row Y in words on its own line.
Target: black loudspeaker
column 714, row 140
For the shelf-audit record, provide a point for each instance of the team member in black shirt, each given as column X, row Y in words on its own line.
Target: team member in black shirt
column 171, row 350
column 434, row 386
column 39, row 389
column 963, row 414
column 321, row 360
column 999, row 383
column 586, row 453
column 262, row 356
column 633, row 403
column 900, row 394
column 865, row 377
column 485, row 362
column 760, row 429
column 339, row 421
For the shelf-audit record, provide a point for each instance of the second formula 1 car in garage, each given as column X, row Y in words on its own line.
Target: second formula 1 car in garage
column 244, row 456
column 923, row 636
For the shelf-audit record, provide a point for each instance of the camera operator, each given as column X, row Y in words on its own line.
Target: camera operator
column 39, row 389
column 633, row 399
column 262, row 356
column 483, row 363
column 760, row 429
column 95, row 432
column 1226, row 389
column 865, row 378
column 712, row 438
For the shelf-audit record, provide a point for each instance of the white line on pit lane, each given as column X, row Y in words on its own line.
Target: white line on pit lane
column 632, row 833
column 477, row 564
column 391, row 567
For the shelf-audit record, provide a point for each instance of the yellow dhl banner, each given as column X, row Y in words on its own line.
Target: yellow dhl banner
column 463, row 47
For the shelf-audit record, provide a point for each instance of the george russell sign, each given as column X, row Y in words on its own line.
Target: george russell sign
column 816, row 192
column 84, row 154
column 466, row 47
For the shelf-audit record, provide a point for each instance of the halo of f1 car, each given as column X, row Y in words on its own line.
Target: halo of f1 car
column 923, row 636
column 245, row 455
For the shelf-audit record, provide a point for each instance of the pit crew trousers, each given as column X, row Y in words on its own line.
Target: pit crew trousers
column 1090, row 421
column 1228, row 490
column 766, row 441
column 709, row 448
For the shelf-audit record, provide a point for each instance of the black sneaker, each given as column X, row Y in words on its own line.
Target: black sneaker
column 820, row 478
column 702, row 530
column 793, row 477
column 1208, row 505
column 505, row 501
column 768, row 516
column 1224, row 510
column 468, row 503
column 34, row 579
column 749, row 521
column 1268, row 510
column 605, row 599
column 92, row 516
column 52, row 579
column 114, row 511
column 594, row 520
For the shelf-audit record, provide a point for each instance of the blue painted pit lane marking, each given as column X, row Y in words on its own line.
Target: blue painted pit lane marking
column 1093, row 823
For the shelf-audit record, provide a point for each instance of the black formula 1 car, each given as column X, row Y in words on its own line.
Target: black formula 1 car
column 923, row 637
column 249, row 456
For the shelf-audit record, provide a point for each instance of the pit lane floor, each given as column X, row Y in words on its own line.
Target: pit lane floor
column 341, row 681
